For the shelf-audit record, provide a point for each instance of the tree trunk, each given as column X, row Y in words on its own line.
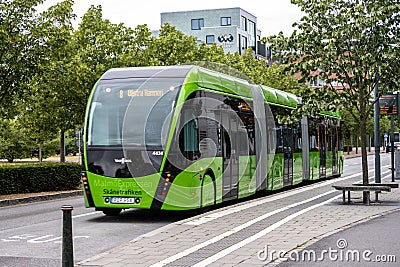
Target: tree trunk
column 363, row 115
column 40, row 153
column 62, row 146
column 364, row 160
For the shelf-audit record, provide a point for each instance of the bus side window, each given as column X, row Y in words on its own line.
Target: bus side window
column 209, row 129
column 278, row 138
column 313, row 133
column 189, row 134
column 297, row 138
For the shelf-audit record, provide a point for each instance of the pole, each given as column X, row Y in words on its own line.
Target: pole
column 392, row 144
column 356, row 144
column 67, row 244
column 376, row 132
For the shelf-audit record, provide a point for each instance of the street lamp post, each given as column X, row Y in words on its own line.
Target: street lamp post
column 376, row 132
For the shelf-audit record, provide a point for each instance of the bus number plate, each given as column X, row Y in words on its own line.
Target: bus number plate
column 122, row 200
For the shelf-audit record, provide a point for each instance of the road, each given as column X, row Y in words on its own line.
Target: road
column 30, row 234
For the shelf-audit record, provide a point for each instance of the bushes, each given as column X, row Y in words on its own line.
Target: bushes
column 39, row 177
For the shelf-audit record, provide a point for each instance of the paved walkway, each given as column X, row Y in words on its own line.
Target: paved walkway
column 263, row 231
column 354, row 153
column 371, row 243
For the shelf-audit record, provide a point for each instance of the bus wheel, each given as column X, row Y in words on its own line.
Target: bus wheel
column 112, row 212
column 207, row 191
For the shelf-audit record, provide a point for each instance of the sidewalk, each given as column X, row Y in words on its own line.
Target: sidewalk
column 255, row 233
column 353, row 154
column 374, row 242
column 15, row 199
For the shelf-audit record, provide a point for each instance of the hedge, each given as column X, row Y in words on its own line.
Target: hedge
column 39, row 177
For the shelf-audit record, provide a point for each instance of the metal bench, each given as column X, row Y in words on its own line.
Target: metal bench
column 365, row 188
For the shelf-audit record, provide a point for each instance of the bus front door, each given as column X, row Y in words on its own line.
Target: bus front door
column 230, row 156
column 335, row 148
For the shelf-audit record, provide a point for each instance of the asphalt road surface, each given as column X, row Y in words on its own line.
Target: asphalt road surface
column 31, row 234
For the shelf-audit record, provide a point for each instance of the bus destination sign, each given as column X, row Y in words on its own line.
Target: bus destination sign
column 141, row 93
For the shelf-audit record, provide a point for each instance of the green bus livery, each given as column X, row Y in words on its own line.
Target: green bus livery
column 186, row 137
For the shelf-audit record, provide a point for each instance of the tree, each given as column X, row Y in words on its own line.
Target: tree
column 51, row 104
column 172, row 47
column 351, row 128
column 36, row 124
column 258, row 71
column 349, row 42
column 20, row 51
column 13, row 144
column 76, row 60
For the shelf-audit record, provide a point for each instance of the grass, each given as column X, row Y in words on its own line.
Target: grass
column 36, row 160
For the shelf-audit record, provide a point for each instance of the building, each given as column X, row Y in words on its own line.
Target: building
column 232, row 28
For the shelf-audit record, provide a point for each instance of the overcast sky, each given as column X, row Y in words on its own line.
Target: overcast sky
column 273, row 16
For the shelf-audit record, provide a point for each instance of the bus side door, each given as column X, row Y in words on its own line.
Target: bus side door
column 230, row 155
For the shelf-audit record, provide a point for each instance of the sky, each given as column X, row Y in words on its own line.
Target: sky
column 273, row 16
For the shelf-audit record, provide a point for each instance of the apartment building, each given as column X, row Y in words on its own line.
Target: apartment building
column 232, row 28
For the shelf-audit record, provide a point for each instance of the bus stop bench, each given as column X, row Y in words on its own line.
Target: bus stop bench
column 365, row 188
column 391, row 185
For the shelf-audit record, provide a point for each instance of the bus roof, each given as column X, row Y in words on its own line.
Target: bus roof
column 232, row 85
column 207, row 79
column 147, row 72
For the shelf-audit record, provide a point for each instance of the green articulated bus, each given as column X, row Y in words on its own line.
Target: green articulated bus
column 186, row 137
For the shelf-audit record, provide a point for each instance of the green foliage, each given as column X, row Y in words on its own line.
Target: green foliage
column 50, row 148
column 354, row 126
column 39, row 177
column 345, row 42
column 21, row 50
column 173, row 47
column 353, row 44
column 211, row 53
column 48, row 90
column 13, row 144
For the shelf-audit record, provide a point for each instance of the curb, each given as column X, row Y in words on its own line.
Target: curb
column 11, row 202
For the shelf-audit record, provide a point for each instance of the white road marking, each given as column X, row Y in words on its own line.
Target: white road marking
column 216, row 215
column 252, row 238
column 372, row 179
column 86, row 214
column 210, row 217
column 239, row 228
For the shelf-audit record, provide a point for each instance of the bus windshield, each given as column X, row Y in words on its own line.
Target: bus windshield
column 131, row 112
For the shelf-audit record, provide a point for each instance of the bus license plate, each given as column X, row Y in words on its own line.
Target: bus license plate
column 122, row 200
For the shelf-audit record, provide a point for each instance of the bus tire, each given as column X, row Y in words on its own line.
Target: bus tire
column 111, row 212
